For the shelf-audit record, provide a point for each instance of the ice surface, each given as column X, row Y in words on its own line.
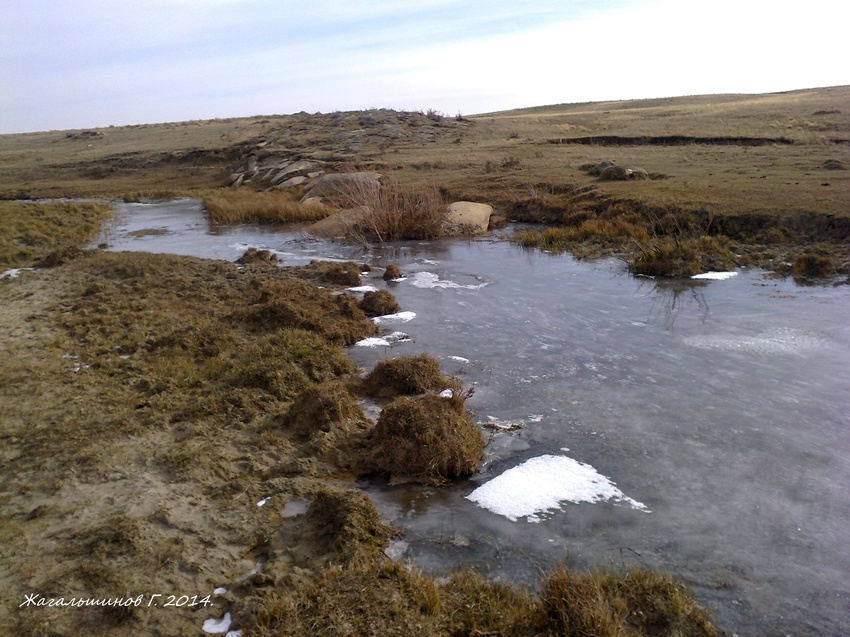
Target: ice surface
column 545, row 483
column 777, row 341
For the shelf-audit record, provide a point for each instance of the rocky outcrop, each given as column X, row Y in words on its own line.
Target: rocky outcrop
column 343, row 184
column 309, row 145
column 466, row 216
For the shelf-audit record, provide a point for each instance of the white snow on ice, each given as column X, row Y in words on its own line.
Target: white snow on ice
column 715, row 276
column 459, row 359
column 543, row 484
column 399, row 317
column 363, row 288
column 431, row 280
column 388, row 340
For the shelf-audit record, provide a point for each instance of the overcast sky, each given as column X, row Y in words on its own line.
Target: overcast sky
column 88, row 63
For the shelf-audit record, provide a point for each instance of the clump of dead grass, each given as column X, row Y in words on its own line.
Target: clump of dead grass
column 320, row 408
column 384, row 598
column 814, row 263
column 606, row 604
column 274, row 206
column 377, row 599
column 378, row 303
column 427, row 438
column 682, row 257
column 407, row 375
column 350, row 522
column 298, row 304
column 34, row 230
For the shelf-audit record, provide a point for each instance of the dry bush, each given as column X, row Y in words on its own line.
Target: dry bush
column 378, row 303
column 274, row 206
column 605, row 604
column 407, row 375
column 427, row 438
column 395, row 213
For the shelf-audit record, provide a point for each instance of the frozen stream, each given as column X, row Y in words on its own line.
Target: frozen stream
column 722, row 408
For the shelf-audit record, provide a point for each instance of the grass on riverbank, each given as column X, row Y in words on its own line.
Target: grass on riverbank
column 384, row 598
column 34, row 230
column 274, row 206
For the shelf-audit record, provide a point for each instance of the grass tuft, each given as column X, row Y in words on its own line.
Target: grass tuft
column 275, row 206
column 605, row 604
column 407, row 375
column 428, row 438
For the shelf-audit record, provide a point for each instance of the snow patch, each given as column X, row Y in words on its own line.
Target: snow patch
column 715, row 276
column 399, row 317
column 14, row 272
column 363, row 288
column 459, row 359
column 543, row 484
column 217, row 626
column 383, row 341
column 431, row 280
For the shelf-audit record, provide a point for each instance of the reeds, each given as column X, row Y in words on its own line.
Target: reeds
column 274, row 206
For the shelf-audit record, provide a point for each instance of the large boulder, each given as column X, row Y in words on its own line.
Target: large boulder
column 338, row 224
column 467, row 215
column 343, row 184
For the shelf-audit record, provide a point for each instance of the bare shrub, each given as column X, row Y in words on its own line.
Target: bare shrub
column 395, row 213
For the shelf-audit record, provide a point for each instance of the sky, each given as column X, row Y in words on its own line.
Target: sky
column 68, row 64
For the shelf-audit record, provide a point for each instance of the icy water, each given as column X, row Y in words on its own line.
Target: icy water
column 719, row 411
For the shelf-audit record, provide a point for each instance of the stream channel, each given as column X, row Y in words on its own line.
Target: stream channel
column 720, row 409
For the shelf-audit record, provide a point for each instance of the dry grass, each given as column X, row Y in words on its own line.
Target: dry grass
column 427, row 438
column 606, row 604
column 407, row 375
column 394, row 212
column 683, row 257
column 274, row 206
column 378, row 303
column 33, row 230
